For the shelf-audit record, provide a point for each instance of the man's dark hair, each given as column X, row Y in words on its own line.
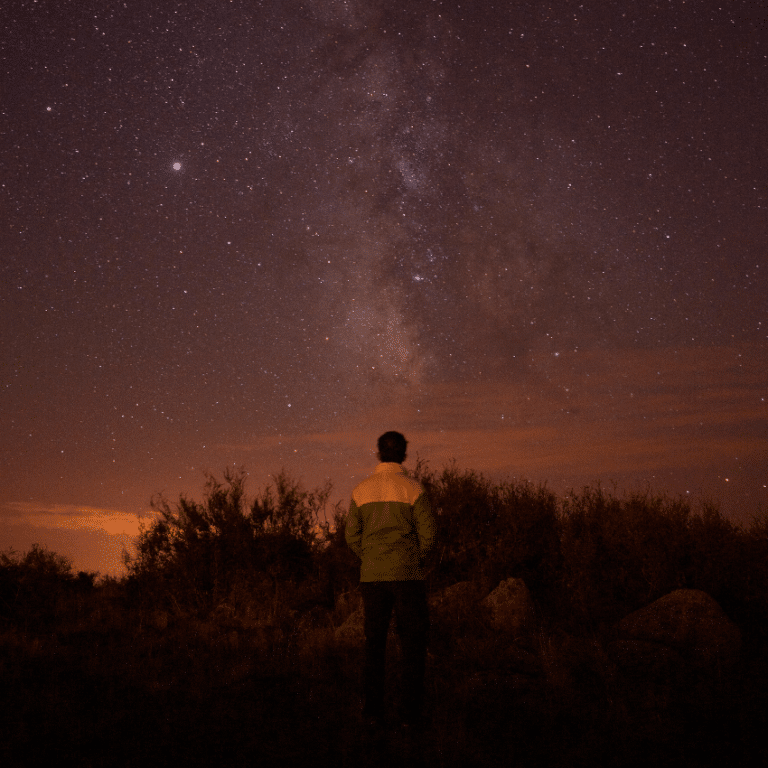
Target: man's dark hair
column 392, row 447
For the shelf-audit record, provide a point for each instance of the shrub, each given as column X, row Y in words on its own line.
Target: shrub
column 194, row 555
column 338, row 570
column 621, row 554
column 32, row 585
column 488, row 533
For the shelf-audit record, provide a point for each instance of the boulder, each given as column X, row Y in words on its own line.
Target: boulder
column 511, row 607
column 670, row 658
column 352, row 632
column 686, row 621
column 453, row 600
column 346, row 604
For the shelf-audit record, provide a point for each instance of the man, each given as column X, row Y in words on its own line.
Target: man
column 391, row 528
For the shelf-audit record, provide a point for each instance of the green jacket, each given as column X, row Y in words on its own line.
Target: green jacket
column 390, row 526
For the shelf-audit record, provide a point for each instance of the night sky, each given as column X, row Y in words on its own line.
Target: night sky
column 531, row 236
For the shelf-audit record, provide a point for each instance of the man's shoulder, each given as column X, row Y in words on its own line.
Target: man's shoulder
column 374, row 484
column 413, row 483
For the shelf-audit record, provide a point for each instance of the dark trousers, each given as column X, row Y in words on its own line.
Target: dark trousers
column 409, row 599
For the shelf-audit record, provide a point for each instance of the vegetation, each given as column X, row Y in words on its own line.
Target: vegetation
column 219, row 642
column 198, row 558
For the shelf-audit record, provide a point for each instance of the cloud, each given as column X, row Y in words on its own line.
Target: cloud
column 73, row 517
column 624, row 409
column 93, row 538
column 678, row 419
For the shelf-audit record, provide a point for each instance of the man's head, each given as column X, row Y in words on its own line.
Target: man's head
column 392, row 446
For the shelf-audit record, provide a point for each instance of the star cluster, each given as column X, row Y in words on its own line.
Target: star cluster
column 234, row 225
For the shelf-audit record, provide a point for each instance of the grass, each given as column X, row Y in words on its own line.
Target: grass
column 129, row 688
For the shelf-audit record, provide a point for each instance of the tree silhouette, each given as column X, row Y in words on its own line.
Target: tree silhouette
column 32, row 584
column 199, row 553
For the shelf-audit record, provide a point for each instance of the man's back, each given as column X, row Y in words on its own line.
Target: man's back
column 390, row 526
column 391, row 529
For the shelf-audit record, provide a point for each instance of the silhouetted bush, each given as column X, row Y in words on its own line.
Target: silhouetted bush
column 195, row 556
column 488, row 533
column 338, row 570
column 186, row 633
column 33, row 584
column 752, row 609
column 622, row 554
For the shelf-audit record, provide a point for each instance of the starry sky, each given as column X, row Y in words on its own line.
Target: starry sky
column 531, row 236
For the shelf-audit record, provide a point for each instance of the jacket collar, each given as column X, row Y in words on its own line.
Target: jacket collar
column 390, row 466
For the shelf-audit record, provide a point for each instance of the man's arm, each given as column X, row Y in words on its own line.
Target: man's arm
column 354, row 530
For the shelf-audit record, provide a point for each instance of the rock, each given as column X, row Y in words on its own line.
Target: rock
column 670, row 658
column 518, row 660
column 687, row 621
column 160, row 619
column 347, row 603
column 352, row 631
column 454, row 599
column 511, row 607
column 453, row 612
column 350, row 612
column 641, row 659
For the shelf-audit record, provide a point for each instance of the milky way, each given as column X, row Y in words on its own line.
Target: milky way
column 234, row 230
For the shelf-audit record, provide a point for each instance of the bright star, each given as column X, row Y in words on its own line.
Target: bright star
column 177, row 166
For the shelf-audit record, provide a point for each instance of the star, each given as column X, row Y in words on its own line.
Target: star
column 408, row 223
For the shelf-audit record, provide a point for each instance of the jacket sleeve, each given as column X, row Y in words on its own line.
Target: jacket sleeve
column 354, row 530
column 425, row 526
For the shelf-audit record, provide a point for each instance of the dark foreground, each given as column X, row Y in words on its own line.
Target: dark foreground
column 207, row 699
